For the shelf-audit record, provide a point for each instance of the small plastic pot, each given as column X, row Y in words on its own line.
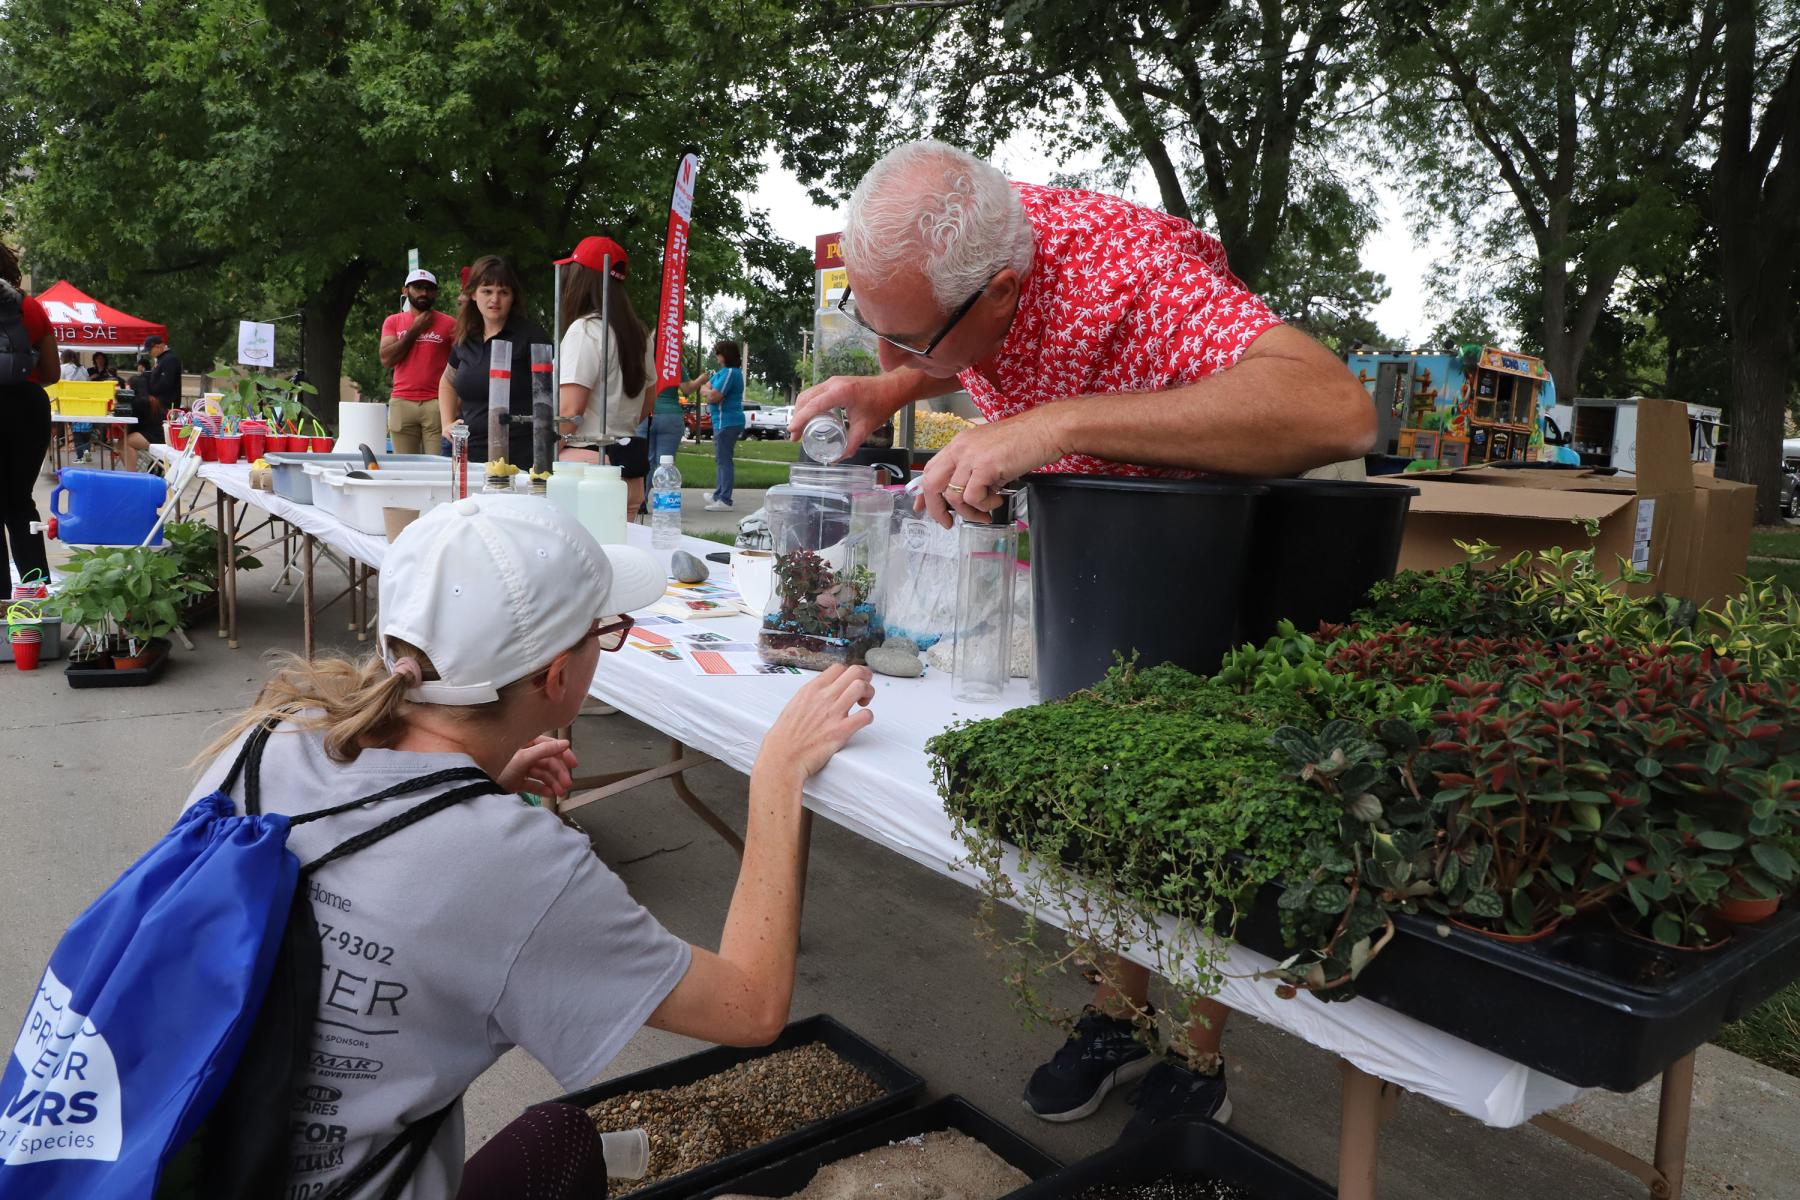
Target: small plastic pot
column 1751, row 911
column 255, row 446
column 320, row 445
column 25, row 654
column 208, row 448
column 1516, row 939
column 228, row 447
column 175, row 435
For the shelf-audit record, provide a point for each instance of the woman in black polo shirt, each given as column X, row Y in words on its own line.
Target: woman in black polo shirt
column 491, row 308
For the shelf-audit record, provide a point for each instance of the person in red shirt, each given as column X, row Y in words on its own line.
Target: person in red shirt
column 416, row 343
column 27, row 362
column 1098, row 337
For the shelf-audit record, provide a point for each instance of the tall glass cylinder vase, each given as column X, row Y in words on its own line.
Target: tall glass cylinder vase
column 499, row 477
column 982, row 655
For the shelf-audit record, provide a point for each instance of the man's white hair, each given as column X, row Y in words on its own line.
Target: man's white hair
column 942, row 210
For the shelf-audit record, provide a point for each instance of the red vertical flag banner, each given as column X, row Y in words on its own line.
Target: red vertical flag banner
column 672, row 313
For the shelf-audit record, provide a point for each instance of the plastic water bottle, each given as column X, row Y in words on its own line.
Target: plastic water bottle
column 665, row 505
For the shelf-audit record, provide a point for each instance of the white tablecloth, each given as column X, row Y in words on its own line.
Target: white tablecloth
column 880, row 787
column 74, row 419
column 234, row 480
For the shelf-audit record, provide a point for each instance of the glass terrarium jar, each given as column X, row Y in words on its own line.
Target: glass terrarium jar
column 828, row 528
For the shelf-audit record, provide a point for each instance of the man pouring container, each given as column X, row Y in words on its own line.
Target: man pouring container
column 1097, row 337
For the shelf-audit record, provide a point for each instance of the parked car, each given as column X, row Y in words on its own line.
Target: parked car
column 697, row 418
column 769, row 422
column 1790, row 484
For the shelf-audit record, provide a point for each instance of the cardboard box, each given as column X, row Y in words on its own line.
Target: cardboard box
column 1719, row 549
column 1657, row 520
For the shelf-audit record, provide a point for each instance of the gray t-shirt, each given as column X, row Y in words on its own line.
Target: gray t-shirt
column 483, row 927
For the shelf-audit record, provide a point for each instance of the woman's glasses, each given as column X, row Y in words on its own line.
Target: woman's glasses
column 612, row 635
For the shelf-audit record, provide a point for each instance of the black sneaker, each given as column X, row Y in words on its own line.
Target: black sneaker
column 1172, row 1090
column 1102, row 1053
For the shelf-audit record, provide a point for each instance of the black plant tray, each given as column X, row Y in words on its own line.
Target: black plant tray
column 86, row 675
column 901, row 1085
column 790, row 1175
column 1187, row 1151
column 1586, row 1004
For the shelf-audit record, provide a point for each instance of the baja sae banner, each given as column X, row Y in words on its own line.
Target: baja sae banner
column 671, row 315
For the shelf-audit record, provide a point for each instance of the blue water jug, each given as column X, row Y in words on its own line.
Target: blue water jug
column 106, row 508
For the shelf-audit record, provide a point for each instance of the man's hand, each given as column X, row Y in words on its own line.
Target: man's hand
column 818, row 721
column 867, row 399
column 964, row 476
column 421, row 320
column 545, row 767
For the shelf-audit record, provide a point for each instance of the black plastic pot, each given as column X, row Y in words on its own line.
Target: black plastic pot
column 1585, row 1004
column 1318, row 546
column 901, row 1086
column 1153, row 567
column 91, row 675
column 1187, row 1152
column 791, row 1175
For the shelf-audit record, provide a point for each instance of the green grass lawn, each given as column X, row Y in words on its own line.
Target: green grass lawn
column 1768, row 542
column 1771, row 1034
column 699, row 470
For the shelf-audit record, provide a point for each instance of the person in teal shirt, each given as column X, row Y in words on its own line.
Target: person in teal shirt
column 724, row 393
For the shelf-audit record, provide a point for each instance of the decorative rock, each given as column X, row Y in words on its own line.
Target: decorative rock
column 899, row 663
column 687, row 568
column 905, row 645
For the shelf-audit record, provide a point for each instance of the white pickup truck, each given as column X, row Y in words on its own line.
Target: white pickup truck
column 767, row 422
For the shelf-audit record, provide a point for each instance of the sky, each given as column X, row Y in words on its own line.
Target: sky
column 1391, row 250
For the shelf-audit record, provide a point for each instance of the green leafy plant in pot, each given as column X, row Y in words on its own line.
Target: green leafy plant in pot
column 123, row 598
column 194, row 545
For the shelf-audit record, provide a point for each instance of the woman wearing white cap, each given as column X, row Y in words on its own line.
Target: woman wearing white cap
column 491, row 924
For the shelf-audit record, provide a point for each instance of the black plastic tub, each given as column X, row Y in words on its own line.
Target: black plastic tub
column 1586, row 1004
column 901, row 1087
column 87, row 675
column 792, row 1174
column 1186, row 1152
column 1318, row 546
column 1153, row 567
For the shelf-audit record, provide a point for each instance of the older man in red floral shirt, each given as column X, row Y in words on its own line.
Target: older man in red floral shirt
column 1099, row 337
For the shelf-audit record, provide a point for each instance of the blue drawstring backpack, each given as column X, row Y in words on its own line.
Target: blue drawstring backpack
column 156, row 1048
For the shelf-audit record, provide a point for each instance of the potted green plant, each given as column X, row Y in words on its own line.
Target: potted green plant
column 125, row 600
column 194, row 545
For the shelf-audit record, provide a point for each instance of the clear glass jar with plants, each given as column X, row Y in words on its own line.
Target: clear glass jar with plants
column 828, row 527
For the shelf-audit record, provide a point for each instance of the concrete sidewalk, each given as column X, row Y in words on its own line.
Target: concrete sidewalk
column 93, row 777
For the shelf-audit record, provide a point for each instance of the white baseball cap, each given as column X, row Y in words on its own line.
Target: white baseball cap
column 493, row 587
column 418, row 275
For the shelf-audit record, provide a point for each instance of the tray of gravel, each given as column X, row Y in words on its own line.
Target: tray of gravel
column 715, row 1115
column 1181, row 1160
column 903, row 1157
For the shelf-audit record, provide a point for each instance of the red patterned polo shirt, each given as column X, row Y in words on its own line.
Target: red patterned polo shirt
column 1120, row 298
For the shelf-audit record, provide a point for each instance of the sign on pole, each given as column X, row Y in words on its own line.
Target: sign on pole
column 256, row 344
column 412, row 260
column 672, row 310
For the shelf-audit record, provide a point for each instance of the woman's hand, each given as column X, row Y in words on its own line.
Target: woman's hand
column 817, row 722
column 544, row 767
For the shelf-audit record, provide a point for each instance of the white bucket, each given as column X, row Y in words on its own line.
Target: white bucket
column 361, row 424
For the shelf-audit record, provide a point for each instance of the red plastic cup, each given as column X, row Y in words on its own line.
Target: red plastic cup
column 25, row 655
column 255, row 446
column 321, row 445
column 208, row 448
column 228, row 447
column 175, row 435
column 278, row 443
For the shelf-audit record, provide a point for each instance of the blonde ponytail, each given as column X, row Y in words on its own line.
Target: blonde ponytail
column 359, row 705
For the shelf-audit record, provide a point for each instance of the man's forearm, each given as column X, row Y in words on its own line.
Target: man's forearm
column 1270, row 415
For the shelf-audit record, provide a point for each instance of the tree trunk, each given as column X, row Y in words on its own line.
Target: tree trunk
column 325, row 312
column 1759, row 379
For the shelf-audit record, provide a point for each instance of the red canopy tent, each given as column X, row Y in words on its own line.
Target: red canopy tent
column 80, row 322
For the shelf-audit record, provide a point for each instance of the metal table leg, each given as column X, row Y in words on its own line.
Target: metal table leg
column 306, row 590
column 1665, row 1175
column 228, row 546
column 220, row 526
column 1367, row 1102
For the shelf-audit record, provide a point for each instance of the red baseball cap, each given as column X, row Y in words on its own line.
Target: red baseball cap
column 592, row 253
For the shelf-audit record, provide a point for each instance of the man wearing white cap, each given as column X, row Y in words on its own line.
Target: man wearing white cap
column 416, row 343
column 490, row 923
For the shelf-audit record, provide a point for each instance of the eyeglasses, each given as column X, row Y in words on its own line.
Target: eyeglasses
column 849, row 310
column 612, row 635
